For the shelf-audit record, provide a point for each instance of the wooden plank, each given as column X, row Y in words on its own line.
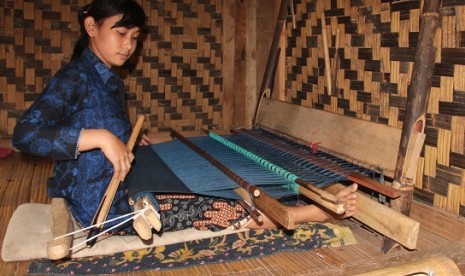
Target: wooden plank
column 375, row 144
column 384, row 220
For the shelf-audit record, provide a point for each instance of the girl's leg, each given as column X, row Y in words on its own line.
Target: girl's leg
column 313, row 213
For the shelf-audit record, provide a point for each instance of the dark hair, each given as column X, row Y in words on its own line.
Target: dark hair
column 133, row 16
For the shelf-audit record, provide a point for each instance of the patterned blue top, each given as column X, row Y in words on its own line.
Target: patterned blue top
column 85, row 94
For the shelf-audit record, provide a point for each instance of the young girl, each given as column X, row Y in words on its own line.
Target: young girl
column 80, row 119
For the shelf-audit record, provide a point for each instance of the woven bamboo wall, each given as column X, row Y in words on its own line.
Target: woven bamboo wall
column 177, row 80
column 376, row 49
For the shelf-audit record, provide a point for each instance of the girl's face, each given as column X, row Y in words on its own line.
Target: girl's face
column 114, row 46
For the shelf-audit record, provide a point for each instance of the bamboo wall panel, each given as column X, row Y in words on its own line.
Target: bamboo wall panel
column 372, row 77
column 176, row 80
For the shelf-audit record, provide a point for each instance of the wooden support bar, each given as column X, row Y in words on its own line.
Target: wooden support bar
column 62, row 224
column 383, row 219
column 374, row 185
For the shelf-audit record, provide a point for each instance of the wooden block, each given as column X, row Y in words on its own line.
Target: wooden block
column 62, row 224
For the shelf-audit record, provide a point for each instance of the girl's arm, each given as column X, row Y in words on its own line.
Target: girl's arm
column 40, row 130
column 114, row 150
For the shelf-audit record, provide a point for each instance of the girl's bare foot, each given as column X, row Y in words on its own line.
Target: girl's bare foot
column 314, row 213
column 348, row 197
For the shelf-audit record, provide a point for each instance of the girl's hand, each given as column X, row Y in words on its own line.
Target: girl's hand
column 114, row 150
column 144, row 140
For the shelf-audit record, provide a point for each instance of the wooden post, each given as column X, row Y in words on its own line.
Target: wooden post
column 417, row 100
column 273, row 57
column 234, row 64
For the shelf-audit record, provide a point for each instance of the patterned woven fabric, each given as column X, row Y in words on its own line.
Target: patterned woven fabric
column 238, row 246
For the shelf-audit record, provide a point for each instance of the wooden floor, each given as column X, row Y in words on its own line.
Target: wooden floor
column 23, row 179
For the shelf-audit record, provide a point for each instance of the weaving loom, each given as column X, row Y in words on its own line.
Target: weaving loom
column 268, row 161
column 271, row 161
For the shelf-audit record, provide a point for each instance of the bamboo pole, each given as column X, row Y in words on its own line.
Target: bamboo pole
column 417, row 100
column 273, row 57
column 324, row 36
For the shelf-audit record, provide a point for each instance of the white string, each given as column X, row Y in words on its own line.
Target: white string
column 109, row 229
column 98, row 224
column 135, row 215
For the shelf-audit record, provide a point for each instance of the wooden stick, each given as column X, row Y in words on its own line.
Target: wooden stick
column 105, row 204
column 251, row 210
column 335, row 65
column 274, row 210
column 374, row 185
column 239, row 180
column 324, row 36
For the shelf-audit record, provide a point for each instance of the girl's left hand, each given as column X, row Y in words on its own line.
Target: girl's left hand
column 144, row 140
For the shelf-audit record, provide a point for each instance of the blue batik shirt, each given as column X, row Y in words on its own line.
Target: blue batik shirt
column 85, row 94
